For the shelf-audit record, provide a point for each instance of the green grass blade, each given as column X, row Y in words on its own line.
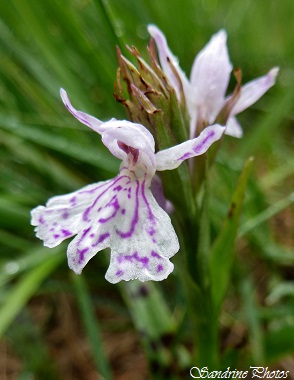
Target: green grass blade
column 19, row 295
column 262, row 217
column 91, row 326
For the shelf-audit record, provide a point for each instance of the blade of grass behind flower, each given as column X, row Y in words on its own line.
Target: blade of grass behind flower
column 63, row 145
column 91, row 326
column 22, row 291
column 267, row 214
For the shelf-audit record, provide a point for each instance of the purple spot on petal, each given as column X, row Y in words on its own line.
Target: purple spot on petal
column 155, row 254
column 73, row 200
column 152, row 231
column 92, row 235
column 56, row 236
column 119, row 273
column 123, row 211
column 117, row 188
column 41, row 220
column 159, row 268
column 144, row 260
column 65, row 215
column 66, row 232
column 52, row 229
column 54, row 224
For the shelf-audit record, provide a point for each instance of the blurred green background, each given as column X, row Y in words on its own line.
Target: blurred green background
column 46, row 313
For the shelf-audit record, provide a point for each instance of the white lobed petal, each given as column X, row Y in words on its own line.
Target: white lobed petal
column 61, row 218
column 143, row 252
column 171, row 158
column 254, row 90
column 121, row 214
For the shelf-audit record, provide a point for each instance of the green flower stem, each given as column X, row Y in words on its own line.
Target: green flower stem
column 204, row 324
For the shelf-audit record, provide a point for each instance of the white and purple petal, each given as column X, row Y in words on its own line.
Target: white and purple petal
column 145, row 246
column 171, row 158
column 121, row 214
column 119, row 133
column 88, row 120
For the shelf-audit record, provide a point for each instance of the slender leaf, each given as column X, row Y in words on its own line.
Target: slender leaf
column 221, row 256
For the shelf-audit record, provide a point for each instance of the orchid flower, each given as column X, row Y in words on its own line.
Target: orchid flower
column 120, row 213
column 209, row 79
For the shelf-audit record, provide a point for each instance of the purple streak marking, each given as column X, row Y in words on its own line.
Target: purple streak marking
column 116, row 206
column 144, row 260
column 135, row 217
column 83, row 235
column 56, row 236
column 198, row 148
column 73, row 200
column 119, row 273
column 117, row 188
column 82, row 254
column 87, row 211
column 101, row 239
column 185, row 156
column 123, row 211
column 150, row 214
column 110, row 203
column 99, row 187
